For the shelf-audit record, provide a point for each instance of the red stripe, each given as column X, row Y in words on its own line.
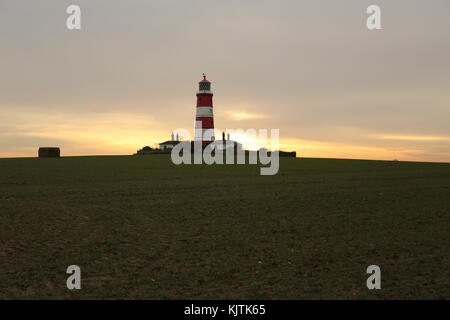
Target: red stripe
column 204, row 100
column 207, row 122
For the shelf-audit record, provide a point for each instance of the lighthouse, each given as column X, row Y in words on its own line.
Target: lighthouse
column 204, row 118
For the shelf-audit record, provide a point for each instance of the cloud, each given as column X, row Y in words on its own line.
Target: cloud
column 411, row 138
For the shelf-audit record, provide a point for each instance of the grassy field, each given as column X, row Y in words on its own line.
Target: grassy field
column 141, row 227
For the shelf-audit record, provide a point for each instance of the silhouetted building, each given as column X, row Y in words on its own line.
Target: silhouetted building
column 49, row 152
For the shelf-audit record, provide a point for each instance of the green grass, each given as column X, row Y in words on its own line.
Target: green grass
column 141, row 227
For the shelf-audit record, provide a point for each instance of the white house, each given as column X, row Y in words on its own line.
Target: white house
column 169, row 144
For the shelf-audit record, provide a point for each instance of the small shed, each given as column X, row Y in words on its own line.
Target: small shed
column 49, row 152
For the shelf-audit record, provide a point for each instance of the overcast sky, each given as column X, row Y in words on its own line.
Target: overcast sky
column 309, row 68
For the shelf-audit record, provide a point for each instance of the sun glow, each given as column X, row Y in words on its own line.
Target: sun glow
column 239, row 116
column 412, row 138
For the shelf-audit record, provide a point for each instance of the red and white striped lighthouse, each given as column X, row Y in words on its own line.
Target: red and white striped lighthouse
column 204, row 118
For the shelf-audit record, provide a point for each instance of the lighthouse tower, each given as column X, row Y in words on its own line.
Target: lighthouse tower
column 204, row 118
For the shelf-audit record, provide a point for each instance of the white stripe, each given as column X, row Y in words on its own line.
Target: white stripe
column 204, row 112
column 203, row 134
